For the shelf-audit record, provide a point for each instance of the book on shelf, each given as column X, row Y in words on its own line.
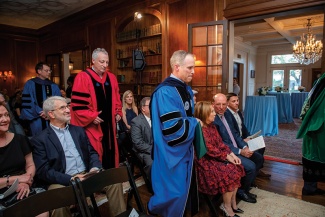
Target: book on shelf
column 10, row 190
column 256, row 143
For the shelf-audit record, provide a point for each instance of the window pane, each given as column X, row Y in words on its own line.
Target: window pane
column 206, row 93
column 278, row 76
column 295, row 79
column 199, row 36
column 199, row 77
column 283, row 59
column 215, row 55
column 215, row 34
column 214, row 76
column 200, row 56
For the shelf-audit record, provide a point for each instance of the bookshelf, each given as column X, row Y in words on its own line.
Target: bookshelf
column 149, row 40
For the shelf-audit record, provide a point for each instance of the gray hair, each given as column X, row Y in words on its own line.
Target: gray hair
column 97, row 51
column 178, row 57
column 144, row 100
column 49, row 103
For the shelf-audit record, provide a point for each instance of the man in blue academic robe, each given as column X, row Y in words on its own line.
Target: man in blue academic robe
column 37, row 90
column 173, row 127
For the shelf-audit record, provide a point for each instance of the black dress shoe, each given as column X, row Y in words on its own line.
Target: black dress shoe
column 254, row 185
column 251, row 195
column 238, row 210
column 318, row 191
column 262, row 174
column 243, row 196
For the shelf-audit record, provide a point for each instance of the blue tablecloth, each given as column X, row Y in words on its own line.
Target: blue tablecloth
column 297, row 100
column 261, row 113
column 284, row 106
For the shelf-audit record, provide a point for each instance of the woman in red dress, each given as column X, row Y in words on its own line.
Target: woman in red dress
column 219, row 170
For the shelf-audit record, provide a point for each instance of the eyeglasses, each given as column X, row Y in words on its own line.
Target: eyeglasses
column 47, row 70
column 62, row 108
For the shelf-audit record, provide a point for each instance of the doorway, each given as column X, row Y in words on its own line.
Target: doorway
column 238, row 74
column 289, row 78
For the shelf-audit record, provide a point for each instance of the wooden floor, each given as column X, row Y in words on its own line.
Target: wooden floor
column 286, row 180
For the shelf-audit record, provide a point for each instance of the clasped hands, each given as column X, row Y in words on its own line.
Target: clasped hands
column 246, row 152
column 232, row 158
column 98, row 120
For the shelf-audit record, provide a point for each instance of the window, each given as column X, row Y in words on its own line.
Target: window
column 288, row 78
column 283, row 59
column 208, row 41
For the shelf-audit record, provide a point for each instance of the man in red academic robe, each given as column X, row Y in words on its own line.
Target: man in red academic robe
column 96, row 106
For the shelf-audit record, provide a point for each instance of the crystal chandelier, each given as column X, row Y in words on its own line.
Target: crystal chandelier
column 308, row 50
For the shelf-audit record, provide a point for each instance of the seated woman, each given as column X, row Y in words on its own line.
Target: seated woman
column 129, row 111
column 219, row 170
column 16, row 161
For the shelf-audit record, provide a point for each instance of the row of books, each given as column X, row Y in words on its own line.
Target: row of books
column 138, row 33
column 147, row 90
column 151, row 77
column 151, row 48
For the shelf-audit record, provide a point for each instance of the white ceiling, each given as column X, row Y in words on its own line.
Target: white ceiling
column 278, row 31
column 35, row 14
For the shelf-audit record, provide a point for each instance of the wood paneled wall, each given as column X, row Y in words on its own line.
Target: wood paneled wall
column 99, row 35
column 19, row 53
column 26, row 57
column 96, row 27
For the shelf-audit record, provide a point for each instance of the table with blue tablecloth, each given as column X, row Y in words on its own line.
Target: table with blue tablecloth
column 297, row 101
column 261, row 113
column 284, row 106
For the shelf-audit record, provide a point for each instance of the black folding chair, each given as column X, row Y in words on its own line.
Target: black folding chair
column 45, row 201
column 105, row 178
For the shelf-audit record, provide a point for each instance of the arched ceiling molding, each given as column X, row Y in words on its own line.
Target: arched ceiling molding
column 130, row 16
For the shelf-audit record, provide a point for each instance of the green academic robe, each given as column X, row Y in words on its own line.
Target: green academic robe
column 312, row 131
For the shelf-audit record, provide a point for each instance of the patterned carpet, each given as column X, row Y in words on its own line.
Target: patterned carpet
column 285, row 145
column 275, row 205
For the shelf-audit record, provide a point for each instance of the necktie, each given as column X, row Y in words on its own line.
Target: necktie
column 239, row 123
column 224, row 121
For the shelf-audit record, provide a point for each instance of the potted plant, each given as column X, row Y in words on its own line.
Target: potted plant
column 278, row 89
column 262, row 91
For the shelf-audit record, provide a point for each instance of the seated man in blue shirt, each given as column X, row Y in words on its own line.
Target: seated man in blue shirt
column 239, row 126
column 62, row 152
column 252, row 161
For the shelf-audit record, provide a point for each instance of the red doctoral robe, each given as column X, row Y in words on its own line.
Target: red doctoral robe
column 85, row 117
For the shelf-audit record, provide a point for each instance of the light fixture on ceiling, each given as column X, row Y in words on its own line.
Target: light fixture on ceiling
column 137, row 16
column 308, row 50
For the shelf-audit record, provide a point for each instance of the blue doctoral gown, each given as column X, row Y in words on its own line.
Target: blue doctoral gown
column 34, row 93
column 173, row 152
